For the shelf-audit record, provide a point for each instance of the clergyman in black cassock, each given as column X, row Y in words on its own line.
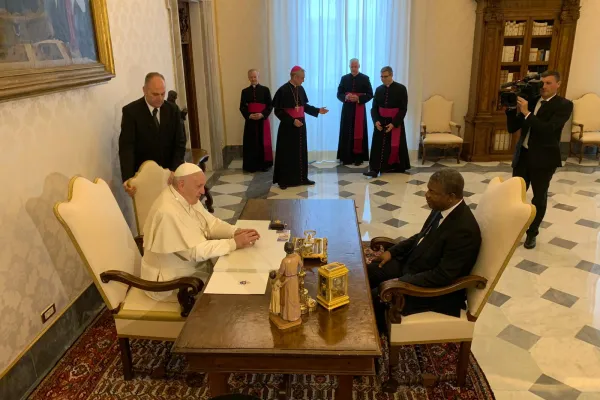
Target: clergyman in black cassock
column 291, row 153
column 256, row 106
column 389, row 152
column 354, row 91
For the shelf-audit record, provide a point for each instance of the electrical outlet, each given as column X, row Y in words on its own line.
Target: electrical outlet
column 48, row 312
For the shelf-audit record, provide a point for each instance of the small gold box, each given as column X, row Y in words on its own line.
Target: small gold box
column 333, row 286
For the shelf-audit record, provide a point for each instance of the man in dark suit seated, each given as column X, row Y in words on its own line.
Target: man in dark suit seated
column 151, row 129
column 537, row 154
column 444, row 250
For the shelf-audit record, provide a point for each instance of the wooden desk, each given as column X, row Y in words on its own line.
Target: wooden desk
column 232, row 333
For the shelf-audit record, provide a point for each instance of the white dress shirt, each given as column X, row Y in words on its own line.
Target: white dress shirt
column 152, row 111
column 535, row 111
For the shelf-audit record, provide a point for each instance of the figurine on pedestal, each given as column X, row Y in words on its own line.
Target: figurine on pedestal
column 288, row 291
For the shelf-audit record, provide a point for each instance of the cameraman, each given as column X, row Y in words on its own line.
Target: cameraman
column 537, row 154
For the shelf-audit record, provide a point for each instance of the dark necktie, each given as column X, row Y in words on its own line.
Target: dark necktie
column 435, row 222
column 155, row 117
column 428, row 230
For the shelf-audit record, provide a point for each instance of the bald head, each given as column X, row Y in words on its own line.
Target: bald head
column 155, row 89
column 190, row 187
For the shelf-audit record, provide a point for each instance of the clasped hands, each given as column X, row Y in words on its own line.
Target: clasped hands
column 384, row 258
column 388, row 127
column 256, row 116
column 245, row 237
column 352, row 97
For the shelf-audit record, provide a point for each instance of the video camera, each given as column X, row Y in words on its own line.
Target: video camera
column 527, row 88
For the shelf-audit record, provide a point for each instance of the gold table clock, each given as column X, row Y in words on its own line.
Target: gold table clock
column 333, row 286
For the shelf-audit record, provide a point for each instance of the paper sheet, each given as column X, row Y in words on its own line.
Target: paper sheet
column 264, row 256
column 237, row 283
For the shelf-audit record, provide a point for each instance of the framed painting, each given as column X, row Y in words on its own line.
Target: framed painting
column 52, row 45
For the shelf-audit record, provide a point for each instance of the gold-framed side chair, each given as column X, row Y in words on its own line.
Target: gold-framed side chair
column 586, row 124
column 94, row 222
column 436, row 127
column 503, row 216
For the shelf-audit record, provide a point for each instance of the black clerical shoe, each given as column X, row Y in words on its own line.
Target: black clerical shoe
column 372, row 174
column 309, row 182
column 530, row 242
column 283, row 187
column 357, row 163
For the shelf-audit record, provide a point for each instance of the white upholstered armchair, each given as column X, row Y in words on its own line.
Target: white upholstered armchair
column 99, row 232
column 436, row 126
column 503, row 216
column 586, row 124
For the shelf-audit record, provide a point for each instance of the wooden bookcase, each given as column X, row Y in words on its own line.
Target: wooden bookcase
column 547, row 25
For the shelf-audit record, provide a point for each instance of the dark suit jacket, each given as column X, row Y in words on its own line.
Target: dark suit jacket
column 443, row 256
column 141, row 140
column 545, row 130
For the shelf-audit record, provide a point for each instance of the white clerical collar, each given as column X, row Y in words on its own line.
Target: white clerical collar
column 447, row 212
column 184, row 203
column 254, row 85
column 390, row 84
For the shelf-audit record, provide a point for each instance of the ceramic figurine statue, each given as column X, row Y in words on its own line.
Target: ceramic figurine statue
column 289, row 290
column 275, row 306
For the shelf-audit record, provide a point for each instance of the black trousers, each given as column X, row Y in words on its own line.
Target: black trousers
column 539, row 179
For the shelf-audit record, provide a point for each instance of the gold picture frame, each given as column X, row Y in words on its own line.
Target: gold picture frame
column 28, row 76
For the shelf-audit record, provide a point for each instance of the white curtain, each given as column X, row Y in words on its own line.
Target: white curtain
column 322, row 36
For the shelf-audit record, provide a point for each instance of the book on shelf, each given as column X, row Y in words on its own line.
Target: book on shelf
column 541, row 29
column 511, row 53
column 514, row 28
column 506, row 76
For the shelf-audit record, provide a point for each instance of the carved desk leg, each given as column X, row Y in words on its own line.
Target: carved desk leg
column 344, row 389
column 217, row 383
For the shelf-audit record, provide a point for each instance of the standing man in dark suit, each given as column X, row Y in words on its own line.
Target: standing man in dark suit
column 151, row 129
column 444, row 250
column 537, row 153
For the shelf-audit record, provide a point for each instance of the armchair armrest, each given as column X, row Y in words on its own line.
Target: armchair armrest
column 188, row 286
column 393, row 291
column 455, row 125
column 382, row 241
column 580, row 125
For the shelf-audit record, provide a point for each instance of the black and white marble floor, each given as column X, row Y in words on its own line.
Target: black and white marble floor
column 539, row 336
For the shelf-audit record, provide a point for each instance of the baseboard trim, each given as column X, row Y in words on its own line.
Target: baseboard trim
column 230, row 153
column 24, row 374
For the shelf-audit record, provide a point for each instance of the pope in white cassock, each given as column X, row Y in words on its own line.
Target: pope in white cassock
column 180, row 236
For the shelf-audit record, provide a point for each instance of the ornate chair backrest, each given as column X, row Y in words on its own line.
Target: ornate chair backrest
column 150, row 180
column 503, row 216
column 437, row 113
column 99, row 232
column 586, row 110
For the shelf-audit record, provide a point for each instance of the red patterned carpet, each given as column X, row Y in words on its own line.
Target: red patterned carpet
column 91, row 370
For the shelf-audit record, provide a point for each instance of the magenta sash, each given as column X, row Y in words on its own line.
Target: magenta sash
column 295, row 113
column 268, row 148
column 359, row 119
column 396, row 132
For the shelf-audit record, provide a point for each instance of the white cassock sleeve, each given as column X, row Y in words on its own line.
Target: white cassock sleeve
column 209, row 249
column 218, row 229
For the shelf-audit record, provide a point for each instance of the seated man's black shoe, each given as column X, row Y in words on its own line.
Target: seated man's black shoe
column 530, row 242
column 309, row 182
column 372, row 174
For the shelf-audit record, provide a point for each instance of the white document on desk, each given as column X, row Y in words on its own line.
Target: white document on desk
column 264, row 256
column 237, row 283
